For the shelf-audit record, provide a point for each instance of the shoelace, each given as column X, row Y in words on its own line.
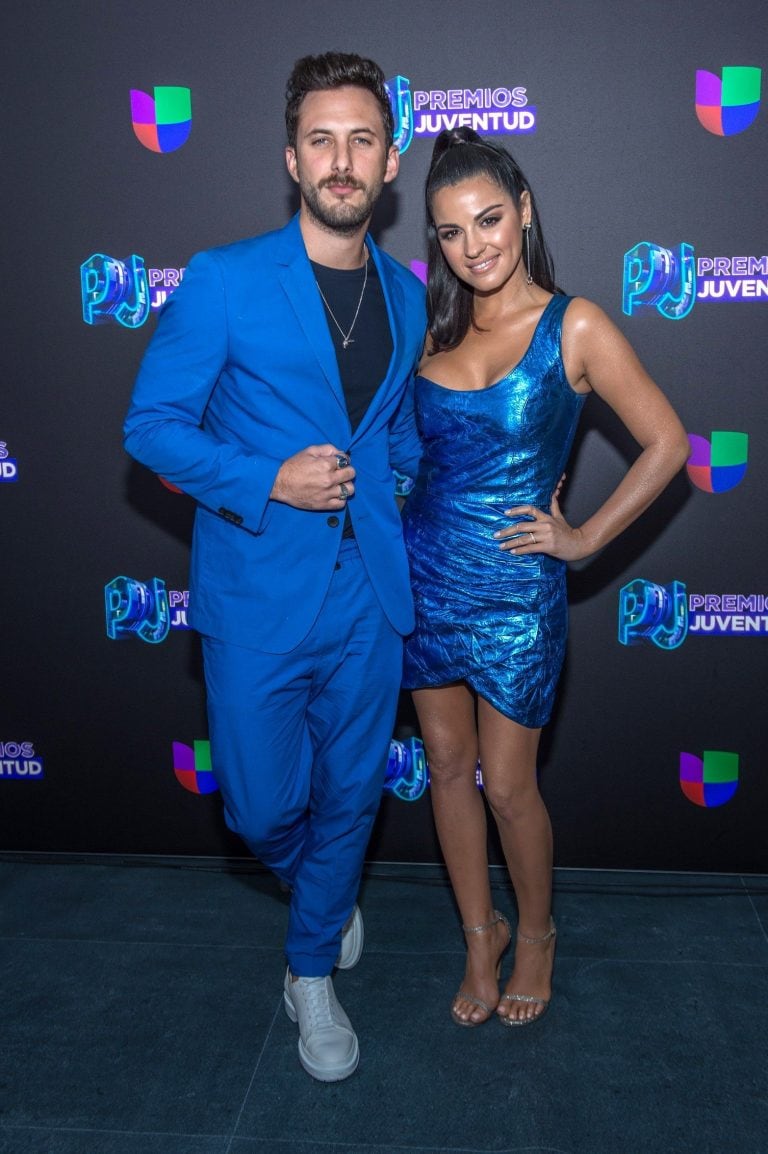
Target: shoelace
column 317, row 1000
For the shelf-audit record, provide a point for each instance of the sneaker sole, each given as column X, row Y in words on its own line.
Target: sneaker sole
column 322, row 1073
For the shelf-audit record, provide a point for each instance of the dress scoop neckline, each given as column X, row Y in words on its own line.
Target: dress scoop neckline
column 510, row 372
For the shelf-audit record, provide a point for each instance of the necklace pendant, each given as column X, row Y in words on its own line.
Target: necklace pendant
column 346, row 338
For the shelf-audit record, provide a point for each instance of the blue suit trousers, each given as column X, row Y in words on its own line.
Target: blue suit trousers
column 299, row 745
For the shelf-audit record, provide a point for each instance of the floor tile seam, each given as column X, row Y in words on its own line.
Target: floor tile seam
column 360, row 1148
column 233, row 1135
column 564, row 956
column 372, row 952
column 142, row 942
column 701, row 892
column 433, row 873
column 6, row 1127
column 756, row 912
column 637, row 963
column 574, row 876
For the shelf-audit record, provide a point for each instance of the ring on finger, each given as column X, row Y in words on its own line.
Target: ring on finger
column 533, row 539
column 343, row 491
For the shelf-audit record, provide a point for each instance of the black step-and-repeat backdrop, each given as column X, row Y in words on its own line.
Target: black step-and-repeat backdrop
column 139, row 133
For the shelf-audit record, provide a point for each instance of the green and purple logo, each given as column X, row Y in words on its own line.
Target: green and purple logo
column 729, row 105
column 709, row 780
column 192, row 766
column 162, row 123
column 718, row 464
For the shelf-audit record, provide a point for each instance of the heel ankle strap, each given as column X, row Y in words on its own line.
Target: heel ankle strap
column 551, row 932
column 497, row 917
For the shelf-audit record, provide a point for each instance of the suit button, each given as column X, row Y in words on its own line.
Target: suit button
column 333, row 521
column 228, row 515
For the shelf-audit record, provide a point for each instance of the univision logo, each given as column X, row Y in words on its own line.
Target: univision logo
column 709, row 780
column 162, row 123
column 192, row 767
column 718, row 464
column 727, row 104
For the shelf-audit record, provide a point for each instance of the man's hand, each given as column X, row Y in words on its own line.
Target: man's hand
column 313, row 479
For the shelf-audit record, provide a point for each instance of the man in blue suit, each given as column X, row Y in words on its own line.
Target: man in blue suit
column 277, row 391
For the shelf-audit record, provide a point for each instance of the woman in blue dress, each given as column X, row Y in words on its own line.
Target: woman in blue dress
column 508, row 365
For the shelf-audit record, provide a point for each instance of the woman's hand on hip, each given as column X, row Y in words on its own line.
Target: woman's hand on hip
column 537, row 532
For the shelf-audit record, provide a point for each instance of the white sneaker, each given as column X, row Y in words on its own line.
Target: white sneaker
column 328, row 1048
column 352, row 939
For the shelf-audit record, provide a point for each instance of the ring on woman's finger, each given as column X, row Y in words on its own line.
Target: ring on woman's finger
column 343, row 491
column 533, row 539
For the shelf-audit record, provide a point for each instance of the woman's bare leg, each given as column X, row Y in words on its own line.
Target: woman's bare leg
column 449, row 731
column 508, row 758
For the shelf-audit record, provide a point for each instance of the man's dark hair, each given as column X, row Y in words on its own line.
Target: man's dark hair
column 335, row 70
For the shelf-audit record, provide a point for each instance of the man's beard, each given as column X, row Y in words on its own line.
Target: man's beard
column 343, row 218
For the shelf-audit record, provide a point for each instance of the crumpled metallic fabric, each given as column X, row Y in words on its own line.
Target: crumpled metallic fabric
column 496, row 620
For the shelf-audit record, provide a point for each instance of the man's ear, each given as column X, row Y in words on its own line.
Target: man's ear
column 290, row 163
column 393, row 164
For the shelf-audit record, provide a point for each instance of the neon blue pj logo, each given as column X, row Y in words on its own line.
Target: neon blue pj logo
column 406, row 776
column 114, row 290
column 655, row 613
column 136, row 609
column 402, row 110
column 660, row 278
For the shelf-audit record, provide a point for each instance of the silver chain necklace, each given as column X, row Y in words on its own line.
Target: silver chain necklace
column 346, row 338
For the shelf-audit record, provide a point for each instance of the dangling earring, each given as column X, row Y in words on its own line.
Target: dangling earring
column 527, row 231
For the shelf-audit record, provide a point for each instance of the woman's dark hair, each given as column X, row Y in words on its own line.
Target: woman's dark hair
column 460, row 154
column 335, row 70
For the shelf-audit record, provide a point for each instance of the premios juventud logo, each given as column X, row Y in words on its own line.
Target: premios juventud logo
column 665, row 615
column 20, row 761
column 9, row 466
column 672, row 280
column 490, row 109
column 145, row 610
column 123, row 291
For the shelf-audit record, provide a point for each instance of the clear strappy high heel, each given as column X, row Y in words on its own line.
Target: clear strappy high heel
column 529, row 999
column 497, row 917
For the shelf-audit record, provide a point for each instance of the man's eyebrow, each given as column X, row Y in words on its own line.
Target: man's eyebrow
column 329, row 131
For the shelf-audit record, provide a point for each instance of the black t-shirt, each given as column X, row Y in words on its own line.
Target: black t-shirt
column 364, row 362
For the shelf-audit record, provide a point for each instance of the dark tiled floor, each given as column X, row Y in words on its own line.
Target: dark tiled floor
column 141, row 1013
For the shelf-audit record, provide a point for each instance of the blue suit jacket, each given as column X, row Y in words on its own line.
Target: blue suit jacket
column 240, row 375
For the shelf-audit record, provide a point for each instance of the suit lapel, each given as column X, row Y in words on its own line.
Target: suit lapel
column 301, row 290
column 393, row 297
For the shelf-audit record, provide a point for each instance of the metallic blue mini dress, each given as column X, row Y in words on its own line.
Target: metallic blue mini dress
column 483, row 615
